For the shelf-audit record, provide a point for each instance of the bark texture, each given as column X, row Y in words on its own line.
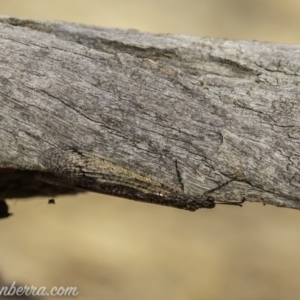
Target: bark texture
column 212, row 116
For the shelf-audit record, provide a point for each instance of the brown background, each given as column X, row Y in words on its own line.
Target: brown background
column 117, row 249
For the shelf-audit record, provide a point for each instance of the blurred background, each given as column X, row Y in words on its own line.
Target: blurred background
column 113, row 248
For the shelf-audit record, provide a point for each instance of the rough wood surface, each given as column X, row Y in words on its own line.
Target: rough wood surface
column 206, row 116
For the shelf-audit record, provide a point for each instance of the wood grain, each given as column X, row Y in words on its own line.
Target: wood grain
column 223, row 114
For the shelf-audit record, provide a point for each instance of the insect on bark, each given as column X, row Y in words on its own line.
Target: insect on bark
column 88, row 171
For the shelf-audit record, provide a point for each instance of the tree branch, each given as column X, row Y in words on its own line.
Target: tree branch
column 192, row 118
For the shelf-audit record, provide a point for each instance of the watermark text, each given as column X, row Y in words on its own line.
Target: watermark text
column 26, row 290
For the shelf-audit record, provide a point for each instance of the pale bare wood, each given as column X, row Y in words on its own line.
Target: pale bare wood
column 213, row 117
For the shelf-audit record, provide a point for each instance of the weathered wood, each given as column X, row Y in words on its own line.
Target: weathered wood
column 213, row 117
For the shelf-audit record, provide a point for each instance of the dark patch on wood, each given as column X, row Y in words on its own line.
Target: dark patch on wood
column 4, row 213
column 24, row 184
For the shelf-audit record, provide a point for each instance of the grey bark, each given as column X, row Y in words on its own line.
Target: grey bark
column 214, row 117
